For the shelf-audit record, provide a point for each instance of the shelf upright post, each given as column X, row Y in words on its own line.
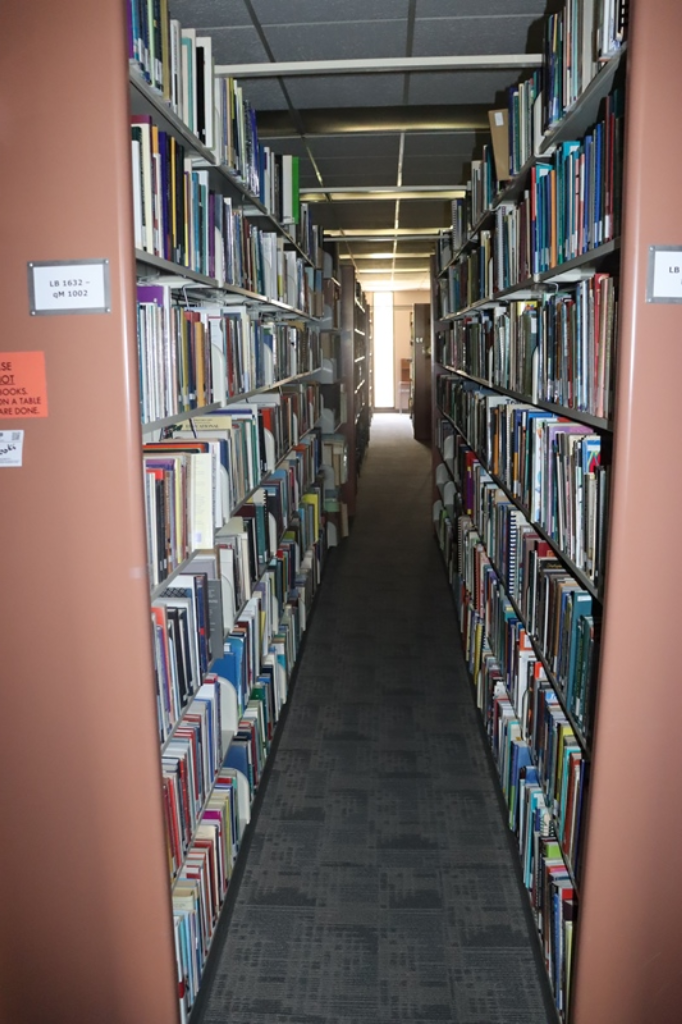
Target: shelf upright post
column 630, row 926
column 86, row 925
column 348, row 375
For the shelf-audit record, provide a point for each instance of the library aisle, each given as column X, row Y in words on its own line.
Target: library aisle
column 381, row 884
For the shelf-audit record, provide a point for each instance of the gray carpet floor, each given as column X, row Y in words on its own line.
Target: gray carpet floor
column 380, row 883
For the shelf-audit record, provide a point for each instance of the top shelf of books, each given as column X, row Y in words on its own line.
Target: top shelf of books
column 557, row 105
column 172, row 79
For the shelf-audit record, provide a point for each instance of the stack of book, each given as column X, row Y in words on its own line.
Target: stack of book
column 180, row 218
column 576, row 198
column 551, row 467
column 525, row 121
column 556, row 349
column 483, row 185
column 179, row 64
column 190, row 358
column 578, row 38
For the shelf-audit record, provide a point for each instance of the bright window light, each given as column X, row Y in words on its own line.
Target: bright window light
column 384, row 394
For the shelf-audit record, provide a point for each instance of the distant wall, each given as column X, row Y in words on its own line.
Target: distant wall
column 403, row 302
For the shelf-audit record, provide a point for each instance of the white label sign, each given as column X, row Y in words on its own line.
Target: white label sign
column 69, row 287
column 11, row 448
column 664, row 282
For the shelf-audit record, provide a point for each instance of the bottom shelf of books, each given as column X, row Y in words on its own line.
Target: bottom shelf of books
column 530, row 641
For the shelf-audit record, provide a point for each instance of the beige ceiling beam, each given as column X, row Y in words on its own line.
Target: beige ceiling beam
column 382, row 235
column 362, row 193
column 381, row 65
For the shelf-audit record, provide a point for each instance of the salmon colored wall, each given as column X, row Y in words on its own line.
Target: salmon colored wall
column 630, row 931
column 85, row 919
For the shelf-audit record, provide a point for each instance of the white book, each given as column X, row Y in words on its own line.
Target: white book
column 218, row 358
column 227, row 586
column 588, row 65
column 189, row 76
column 147, row 180
column 291, row 278
column 201, row 516
column 218, row 118
column 138, row 226
column 287, row 189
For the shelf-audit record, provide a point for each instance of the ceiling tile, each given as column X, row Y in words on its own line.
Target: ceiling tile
column 473, row 35
column 424, row 213
column 318, row 91
column 467, row 8
column 264, row 93
column 237, row 45
column 305, row 12
column 210, row 13
column 294, row 145
column 441, row 143
column 347, row 172
column 358, row 40
column 356, row 215
column 459, row 87
column 358, row 147
column 428, row 171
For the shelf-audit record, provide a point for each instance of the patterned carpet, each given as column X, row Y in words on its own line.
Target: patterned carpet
column 380, row 883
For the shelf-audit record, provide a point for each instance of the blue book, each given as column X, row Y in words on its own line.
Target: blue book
column 582, row 606
column 237, row 757
column 521, row 758
column 232, row 668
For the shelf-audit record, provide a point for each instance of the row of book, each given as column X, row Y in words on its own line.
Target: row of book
column 549, row 881
column 530, row 799
column 179, row 217
column 252, row 677
column 484, row 186
column 552, row 467
column 191, row 617
column 524, row 117
column 195, row 480
column 192, row 357
column 189, row 764
column 557, row 613
column 270, row 652
column 179, row 64
column 572, row 206
column 200, row 890
column 575, row 199
column 468, row 210
column 468, row 280
column 542, row 770
column 505, row 667
column 557, row 349
column 578, row 39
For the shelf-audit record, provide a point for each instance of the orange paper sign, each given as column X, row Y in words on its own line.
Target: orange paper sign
column 23, row 388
